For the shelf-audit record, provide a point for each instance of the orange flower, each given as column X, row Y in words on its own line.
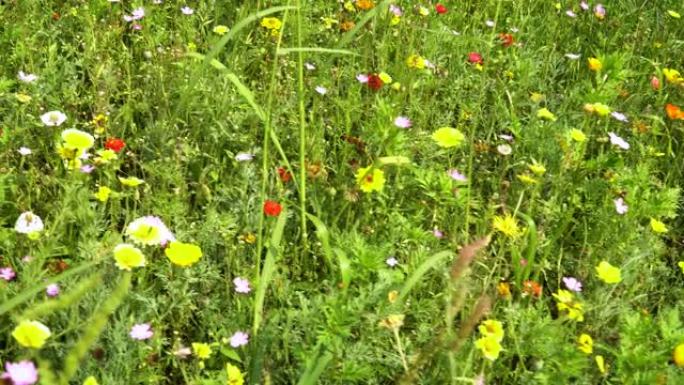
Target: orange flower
column 507, row 39
column 365, row 5
column 674, row 112
column 532, row 288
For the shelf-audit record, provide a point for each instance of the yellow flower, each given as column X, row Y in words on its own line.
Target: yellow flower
column 271, row 23
column 365, row 5
column 128, row 256
column 103, row 193
column 489, row 346
column 658, row 226
column 90, row 381
column 544, row 113
column 328, row 22
column 527, row 179
column 23, row 98
column 349, row 6
column 220, row 30
column 235, row 376
column 448, row 137
column 201, row 350
column 384, row 76
column 608, row 273
column 678, row 355
column 681, row 265
column 392, row 322
column 492, row 328
column 577, row 135
column 506, row 225
column 131, row 181
column 77, row 140
column 105, row 156
column 183, row 254
column 674, row 14
column 595, row 64
column 31, row 334
column 423, row 11
column 600, row 362
column 415, row 61
column 585, row 343
column 601, row 109
column 395, row 20
column 536, row 97
column 370, row 179
column 504, row 290
column 566, row 302
column 537, row 168
column 672, row 76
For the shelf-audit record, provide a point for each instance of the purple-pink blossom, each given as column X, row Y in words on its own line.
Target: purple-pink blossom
column 52, row 290
column 141, row 332
column 239, row 339
column 402, row 122
column 620, row 206
column 573, row 284
column 20, row 373
column 241, row 285
column 7, row 273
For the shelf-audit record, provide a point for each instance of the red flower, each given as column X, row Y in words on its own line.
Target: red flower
column 285, row 176
column 532, row 288
column 374, row 82
column 475, row 58
column 441, row 9
column 115, row 144
column 272, row 208
column 507, row 39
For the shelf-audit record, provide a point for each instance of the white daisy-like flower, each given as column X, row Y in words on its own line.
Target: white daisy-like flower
column 53, row 118
column 244, row 157
column 25, row 151
column 29, row 222
column 26, row 78
column 321, row 90
column 573, row 56
column 187, row 10
column 618, row 141
column 149, row 230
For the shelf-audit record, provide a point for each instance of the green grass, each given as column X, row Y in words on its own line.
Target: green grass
column 187, row 101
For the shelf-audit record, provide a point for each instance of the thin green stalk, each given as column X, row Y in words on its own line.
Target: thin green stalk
column 302, row 127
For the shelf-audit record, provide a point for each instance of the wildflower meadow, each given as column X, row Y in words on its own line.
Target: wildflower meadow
column 341, row 192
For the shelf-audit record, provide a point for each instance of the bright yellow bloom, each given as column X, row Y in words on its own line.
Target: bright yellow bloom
column 608, row 273
column 489, row 346
column 672, row 76
column 448, row 137
column 678, row 355
column 220, row 30
column 423, row 11
column 566, row 302
column 235, row 376
column 492, row 328
column 544, row 113
column 600, row 362
column 577, row 135
column 23, row 98
column 349, row 6
column 128, row 256
column 384, row 76
column 102, row 193
column 90, row 381
column 599, row 108
column 370, row 179
column 595, row 64
column 329, row 22
column 585, row 343
column 183, row 254
column 365, row 5
column 536, row 97
column 415, row 61
column 131, row 181
column 392, row 322
column 31, row 334
column 527, row 179
column 506, row 225
column 395, row 20
column 271, row 23
column 537, row 168
column 681, row 265
column 77, row 140
column 674, row 14
column 105, row 156
column 658, row 226
column 201, row 350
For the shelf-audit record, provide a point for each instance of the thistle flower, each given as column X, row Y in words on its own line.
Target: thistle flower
column 402, row 122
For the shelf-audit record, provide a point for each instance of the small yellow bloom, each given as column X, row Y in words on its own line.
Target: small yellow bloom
column 600, row 362
column 220, row 30
column 577, row 135
column 506, row 225
column 658, row 226
column 384, row 76
column 77, row 140
column 349, row 6
column 678, row 355
column 128, row 256
column 183, row 254
column 681, row 265
column 544, row 113
column 395, row 20
column 131, row 181
column 492, row 328
column 415, row 61
column 672, row 76
column 489, row 346
column 608, row 273
column 271, row 23
column 595, row 64
column 105, row 156
column 235, row 376
column 504, row 290
column 90, row 381
column 537, row 168
column 328, row 22
column 392, row 296
column 585, row 343
column 392, row 322
column 423, row 11
column 527, row 179
column 23, row 98
column 31, row 334
column 536, row 97
column 601, row 109
column 201, row 350
column 370, row 179
column 674, row 14
column 566, row 302
column 103, row 193
column 448, row 137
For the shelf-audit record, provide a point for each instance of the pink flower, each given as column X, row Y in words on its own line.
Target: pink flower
column 362, row 78
column 87, row 168
column 572, row 284
column 242, row 285
column 620, row 206
column 437, row 233
column 20, row 373
column 396, row 10
column 141, row 332
column 655, row 83
column 600, row 11
column 402, row 122
column 457, row 176
column 7, row 273
column 52, row 290
column 239, row 339
column 584, row 5
column 618, row 141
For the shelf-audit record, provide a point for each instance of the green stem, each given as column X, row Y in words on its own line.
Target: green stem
column 302, row 127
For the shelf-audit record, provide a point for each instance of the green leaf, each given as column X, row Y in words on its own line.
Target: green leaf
column 423, row 269
column 287, row 51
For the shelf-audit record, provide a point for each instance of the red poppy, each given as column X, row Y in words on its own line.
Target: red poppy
column 285, row 175
column 374, row 82
column 115, row 144
column 441, row 9
column 507, row 39
column 475, row 58
column 272, row 208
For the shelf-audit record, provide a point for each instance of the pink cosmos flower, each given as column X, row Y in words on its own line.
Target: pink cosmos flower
column 20, row 373
column 600, row 11
column 572, row 284
column 618, row 141
column 7, row 273
column 141, row 332
column 584, row 5
column 396, row 10
column 438, row 233
column 239, row 339
column 620, row 206
column 241, row 285
column 402, row 122
column 362, row 78
column 457, row 176
column 52, row 290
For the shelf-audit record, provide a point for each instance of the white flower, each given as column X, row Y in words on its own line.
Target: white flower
column 244, row 157
column 362, row 78
column 504, row 149
column 149, row 230
column 402, row 122
column 27, row 78
column 619, row 116
column 321, row 90
column 618, row 141
column 187, row 10
column 570, row 13
column 490, row 23
column 29, row 222
column 25, row 151
column 309, row 66
column 573, row 56
column 53, row 118
column 137, row 14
